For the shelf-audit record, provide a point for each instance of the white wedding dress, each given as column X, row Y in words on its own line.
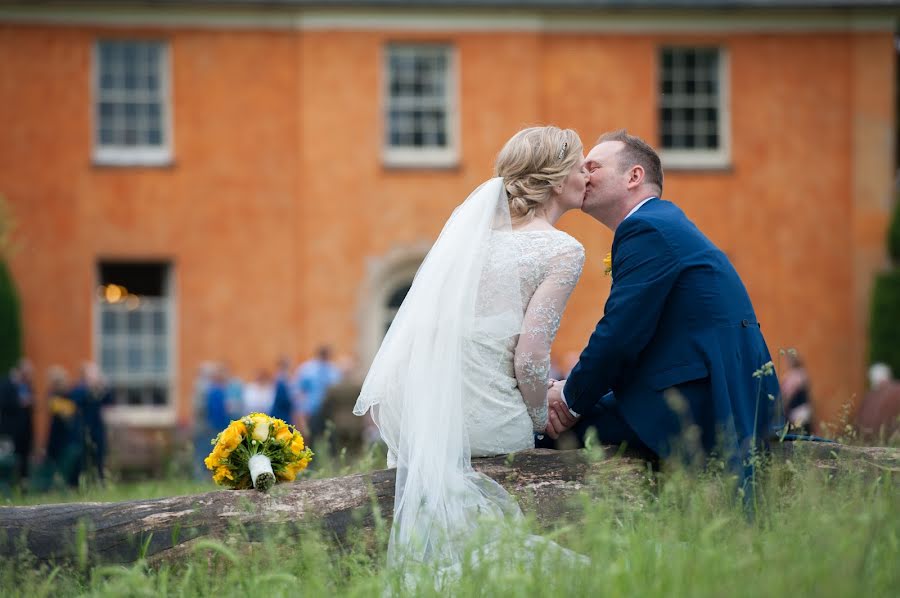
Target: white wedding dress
column 463, row 372
column 505, row 381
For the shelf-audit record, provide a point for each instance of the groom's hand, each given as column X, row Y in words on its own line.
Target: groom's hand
column 559, row 418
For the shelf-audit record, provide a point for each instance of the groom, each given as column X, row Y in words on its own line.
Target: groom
column 679, row 345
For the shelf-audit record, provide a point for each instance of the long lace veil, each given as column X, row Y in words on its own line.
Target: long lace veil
column 415, row 385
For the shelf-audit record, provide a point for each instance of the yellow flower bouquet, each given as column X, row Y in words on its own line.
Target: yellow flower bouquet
column 255, row 451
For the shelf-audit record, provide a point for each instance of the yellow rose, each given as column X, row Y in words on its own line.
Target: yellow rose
column 260, row 427
column 232, row 437
column 239, row 427
column 287, row 474
column 222, row 472
column 212, row 461
column 283, row 434
column 297, row 444
column 607, row 261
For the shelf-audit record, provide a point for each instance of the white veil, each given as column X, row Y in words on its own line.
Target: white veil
column 415, row 385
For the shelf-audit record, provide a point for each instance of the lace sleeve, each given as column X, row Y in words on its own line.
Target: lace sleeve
column 542, row 317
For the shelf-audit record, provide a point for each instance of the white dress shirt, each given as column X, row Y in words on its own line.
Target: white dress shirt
column 562, row 392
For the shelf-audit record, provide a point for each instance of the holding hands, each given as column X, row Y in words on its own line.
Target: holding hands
column 559, row 418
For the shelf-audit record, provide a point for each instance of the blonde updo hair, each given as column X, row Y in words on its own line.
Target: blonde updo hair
column 532, row 162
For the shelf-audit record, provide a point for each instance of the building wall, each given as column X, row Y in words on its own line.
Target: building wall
column 277, row 208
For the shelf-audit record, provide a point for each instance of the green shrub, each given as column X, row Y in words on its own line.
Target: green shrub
column 884, row 327
column 893, row 240
column 10, row 321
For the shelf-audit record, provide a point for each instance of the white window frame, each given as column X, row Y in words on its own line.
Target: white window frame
column 693, row 159
column 146, row 155
column 422, row 157
column 144, row 415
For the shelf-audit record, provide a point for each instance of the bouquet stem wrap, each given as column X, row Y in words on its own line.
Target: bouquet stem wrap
column 261, row 472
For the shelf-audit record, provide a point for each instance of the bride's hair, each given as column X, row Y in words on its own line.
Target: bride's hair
column 532, row 162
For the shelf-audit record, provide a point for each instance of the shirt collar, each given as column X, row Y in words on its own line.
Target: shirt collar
column 638, row 207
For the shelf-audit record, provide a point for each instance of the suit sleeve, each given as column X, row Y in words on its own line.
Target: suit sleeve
column 644, row 270
column 542, row 318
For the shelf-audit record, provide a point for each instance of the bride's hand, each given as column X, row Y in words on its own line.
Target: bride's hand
column 559, row 418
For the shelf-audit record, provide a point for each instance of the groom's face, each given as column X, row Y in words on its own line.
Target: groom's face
column 606, row 184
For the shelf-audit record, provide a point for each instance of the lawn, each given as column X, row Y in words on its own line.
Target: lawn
column 815, row 534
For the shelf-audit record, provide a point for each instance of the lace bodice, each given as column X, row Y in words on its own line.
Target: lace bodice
column 513, row 373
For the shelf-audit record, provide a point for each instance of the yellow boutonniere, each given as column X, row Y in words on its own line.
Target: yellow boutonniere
column 607, row 261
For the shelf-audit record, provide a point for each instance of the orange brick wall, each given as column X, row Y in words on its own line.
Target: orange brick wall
column 278, row 197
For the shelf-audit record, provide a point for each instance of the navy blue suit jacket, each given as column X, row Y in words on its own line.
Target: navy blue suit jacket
column 678, row 317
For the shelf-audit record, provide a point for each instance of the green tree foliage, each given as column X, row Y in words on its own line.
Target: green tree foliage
column 10, row 309
column 10, row 321
column 884, row 328
column 884, row 323
column 894, row 237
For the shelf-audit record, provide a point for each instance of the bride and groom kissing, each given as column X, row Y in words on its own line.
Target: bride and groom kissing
column 464, row 368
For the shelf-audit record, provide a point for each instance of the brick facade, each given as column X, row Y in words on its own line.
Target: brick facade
column 277, row 208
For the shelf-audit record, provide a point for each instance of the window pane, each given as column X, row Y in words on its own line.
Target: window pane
column 108, row 322
column 134, row 322
column 688, row 98
column 129, row 103
column 418, row 102
column 158, row 396
column 133, row 396
column 108, row 359
column 159, row 358
column 158, row 322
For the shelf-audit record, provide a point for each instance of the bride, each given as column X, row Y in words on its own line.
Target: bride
column 463, row 370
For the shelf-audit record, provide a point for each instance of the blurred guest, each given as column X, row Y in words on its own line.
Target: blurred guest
column 202, row 433
column 217, row 416
column 234, row 394
column 63, row 443
column 312, row 380
column 259, row 395
column 90, row 395
column 9, row 409
column 24, row 437
column 878, row 417
column 282, row 406
column 795, row 395
column 16, row 400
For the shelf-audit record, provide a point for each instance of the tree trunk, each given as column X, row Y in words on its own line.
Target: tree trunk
column 167, row 528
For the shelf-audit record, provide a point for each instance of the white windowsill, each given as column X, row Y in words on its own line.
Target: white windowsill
column 112, row 156
column 140, row 416
column 694, row 160
column 419, row 158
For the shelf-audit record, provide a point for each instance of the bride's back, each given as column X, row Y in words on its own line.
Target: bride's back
column 496, row 415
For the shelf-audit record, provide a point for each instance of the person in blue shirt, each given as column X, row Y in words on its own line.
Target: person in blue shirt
column 311, row 382
column 217, row 415
column 281, row 405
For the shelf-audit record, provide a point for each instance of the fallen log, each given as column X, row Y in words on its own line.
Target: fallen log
column 168, row 528
column 163, row 529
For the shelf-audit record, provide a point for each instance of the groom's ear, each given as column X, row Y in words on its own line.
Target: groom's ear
column 636, row 176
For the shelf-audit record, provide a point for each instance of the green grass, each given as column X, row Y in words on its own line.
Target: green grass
column 815, row 535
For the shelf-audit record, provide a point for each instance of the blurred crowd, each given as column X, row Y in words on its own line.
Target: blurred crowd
column 76, row 444
column 312, row 395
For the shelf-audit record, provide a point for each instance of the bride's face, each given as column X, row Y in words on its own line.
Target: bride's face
column 572, row 195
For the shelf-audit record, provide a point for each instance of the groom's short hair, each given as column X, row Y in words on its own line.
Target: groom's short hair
column 637, row 151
